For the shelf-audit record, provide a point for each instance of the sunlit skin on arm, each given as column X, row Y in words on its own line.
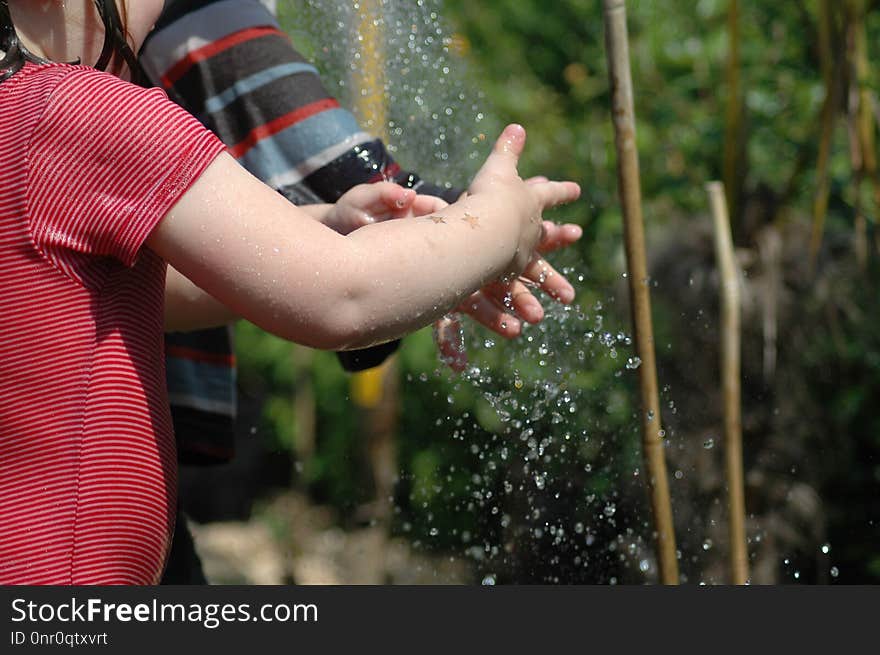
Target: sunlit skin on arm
column 187, row 307
column 271, row 263
column 68, row 31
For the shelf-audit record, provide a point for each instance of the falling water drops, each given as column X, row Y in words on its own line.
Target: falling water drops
column 542, row 432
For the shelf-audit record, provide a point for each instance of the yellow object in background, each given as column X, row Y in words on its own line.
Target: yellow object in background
column 367, row 386
column 370, row 105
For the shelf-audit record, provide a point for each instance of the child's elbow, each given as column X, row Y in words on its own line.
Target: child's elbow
column 344, row 325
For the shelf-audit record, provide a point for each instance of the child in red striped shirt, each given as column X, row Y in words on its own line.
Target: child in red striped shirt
column 102, row 184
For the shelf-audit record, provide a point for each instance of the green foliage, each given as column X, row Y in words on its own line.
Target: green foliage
column 485, row 466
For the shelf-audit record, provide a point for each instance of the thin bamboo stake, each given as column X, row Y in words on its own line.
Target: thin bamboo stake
column 731, row 166
column 623, row 115
column 730, row 382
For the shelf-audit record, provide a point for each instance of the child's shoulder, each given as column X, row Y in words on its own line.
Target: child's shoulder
column 59, row 88
column 79, row 72
column 43, row 80
column 83, row 78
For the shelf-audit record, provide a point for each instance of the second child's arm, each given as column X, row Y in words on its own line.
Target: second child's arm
column 269, row 262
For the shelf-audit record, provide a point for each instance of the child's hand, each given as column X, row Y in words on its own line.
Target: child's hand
column 371, row 203
column 528, row 200
column 502, row 307
column 503, row 304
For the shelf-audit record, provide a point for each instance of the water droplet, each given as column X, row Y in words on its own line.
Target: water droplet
column 489, row 580
column 644, row 565
column 835, row 572
column 709, row 443
column 707, row 545
column 633, row 363
column 826, row 548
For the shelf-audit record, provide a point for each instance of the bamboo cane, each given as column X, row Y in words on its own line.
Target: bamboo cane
column 623, row 115
column 731, row 166
column 730, row 382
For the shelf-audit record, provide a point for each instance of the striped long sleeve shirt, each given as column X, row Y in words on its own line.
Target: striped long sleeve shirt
column 229, row 63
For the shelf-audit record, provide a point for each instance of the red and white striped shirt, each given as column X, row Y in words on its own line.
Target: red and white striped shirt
column 89, row 165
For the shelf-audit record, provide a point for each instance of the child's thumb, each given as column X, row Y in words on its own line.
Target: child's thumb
column 507, row 149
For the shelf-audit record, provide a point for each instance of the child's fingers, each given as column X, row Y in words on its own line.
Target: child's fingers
column 379, row 201
column 423, row 204
column 537, row 179
column 558, row 236
column 540, row 273
column 394, row 199
column 489, row 312
column 511, row 141
column 551, row 194
column 516, row 297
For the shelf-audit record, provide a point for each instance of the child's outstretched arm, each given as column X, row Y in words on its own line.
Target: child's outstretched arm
column 187, row 307
column 272, row 264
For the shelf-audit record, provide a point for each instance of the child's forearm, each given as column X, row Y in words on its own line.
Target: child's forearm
column 269, row 263
column 434, row 263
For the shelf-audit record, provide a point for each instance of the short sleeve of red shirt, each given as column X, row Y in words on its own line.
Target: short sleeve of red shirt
column 106, row 162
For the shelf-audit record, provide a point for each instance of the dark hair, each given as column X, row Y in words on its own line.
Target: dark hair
column 115, row 43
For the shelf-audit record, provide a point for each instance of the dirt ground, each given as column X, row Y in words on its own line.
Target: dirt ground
column 291, row 541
